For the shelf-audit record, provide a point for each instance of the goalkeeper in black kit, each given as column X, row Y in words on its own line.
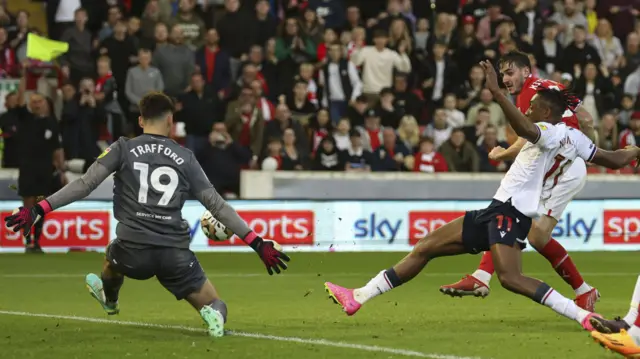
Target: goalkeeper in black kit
column 153, row 177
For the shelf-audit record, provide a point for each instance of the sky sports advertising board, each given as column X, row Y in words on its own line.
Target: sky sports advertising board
column 337, row 226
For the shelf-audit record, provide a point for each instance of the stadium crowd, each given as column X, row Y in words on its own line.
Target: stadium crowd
column 337, row 85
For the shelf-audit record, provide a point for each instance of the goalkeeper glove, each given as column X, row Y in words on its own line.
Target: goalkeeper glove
column 269, row 251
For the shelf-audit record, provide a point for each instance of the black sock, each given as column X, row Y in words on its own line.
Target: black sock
column 541, row 293
column 221, row 307
column 393, row 278
column 37, row 232
column 112, row 287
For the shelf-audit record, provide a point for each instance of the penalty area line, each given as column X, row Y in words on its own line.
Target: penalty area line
column 321, row 342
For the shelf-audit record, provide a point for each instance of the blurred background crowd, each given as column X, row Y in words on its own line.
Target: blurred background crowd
column 329, row 85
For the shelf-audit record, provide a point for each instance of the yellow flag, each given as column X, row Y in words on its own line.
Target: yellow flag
column 43, row 49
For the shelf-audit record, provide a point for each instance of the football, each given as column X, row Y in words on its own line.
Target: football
column 213, row 229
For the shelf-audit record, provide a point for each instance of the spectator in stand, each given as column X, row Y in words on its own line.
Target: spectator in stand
column 245, row 123
column 222, row 160
column 579, row 52
column 487, row 26
column 409, row 132
column 486, row 101
column 81, row 115
column 440, row 75
column 151, row 17
column 488, row 142
column 312, row 26
column 341, row 134
column 627, row 105
column 9, row 122
column 356, row 158
column 293, row 48
column 567, row 21
column 299, row 103
column 470, row 90
column 548, row 50
column 421, row 37
column 60, row 16
column 237, row 34
column 442, row 31
column 330, row 37
column 393, row 13
column 427, row 160
column 78, row 62
column 133, row 31
column 328, row 157
column 469, row 50
column 292, row 158
column 198, row 110
column 273, row 159
column 631, row 58
column 113, row 16
column 390, row 156
column 161, row 37
column 340, row 83
column 332, row 12
column 176, row 63
column 595, row 90
column 622, row 14
column 389, row 115
column 371, row 132
column 405, row 100
column 400, row 33
column 438, row 130
column 306, row 73
column 476, row 131
column 631, row 136
column 528, row 20
column 320, row 127
column 284, row 120
column 353, row 19
column 608, row 132
column 455, row 117
column 632, row 84
column 266, row 24
column 214, row 64
column 249, row 74
column 264, row 105
column 18, row 37
column 267, row 72
column 121, row 49
column 609, row 47
column 379, row 63
column 141, row 80
column 357, row 111
column 190, row 23
column 8, row 65
column 460, row 154
column 106, row 96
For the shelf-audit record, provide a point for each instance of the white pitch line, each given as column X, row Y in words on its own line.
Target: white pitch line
column 318, row 275
column 323, row 342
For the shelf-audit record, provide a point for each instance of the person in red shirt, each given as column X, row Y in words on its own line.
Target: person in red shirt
column 570, row 178
column 427, row 160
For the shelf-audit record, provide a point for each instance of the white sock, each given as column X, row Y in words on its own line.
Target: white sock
column 584, row 288
column 631, row 316
column 484, row 277
column 564, row 306
column 634, row 331
column 376, row 286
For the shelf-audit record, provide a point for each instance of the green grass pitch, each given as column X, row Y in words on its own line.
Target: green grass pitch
column 415, row 320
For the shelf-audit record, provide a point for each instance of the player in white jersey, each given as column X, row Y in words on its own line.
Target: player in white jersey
column 503, row 226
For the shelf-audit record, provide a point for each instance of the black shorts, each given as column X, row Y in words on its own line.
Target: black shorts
column 34, row 182
column 178, row 270
column 499, row 223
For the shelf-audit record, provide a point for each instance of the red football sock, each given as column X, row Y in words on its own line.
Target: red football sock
column 486, row 263
column 562, row 263
column 637, row 322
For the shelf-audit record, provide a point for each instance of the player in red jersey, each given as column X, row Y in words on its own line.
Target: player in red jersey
column 515, row 68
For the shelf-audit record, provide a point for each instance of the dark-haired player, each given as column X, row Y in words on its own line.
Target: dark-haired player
column 563, row 182
column 153, row 177
column 503, row 226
